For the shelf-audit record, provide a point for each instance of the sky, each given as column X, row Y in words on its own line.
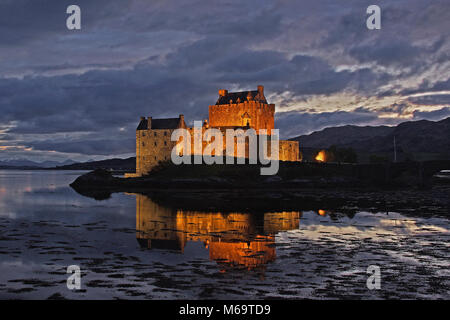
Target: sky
column 78, row 94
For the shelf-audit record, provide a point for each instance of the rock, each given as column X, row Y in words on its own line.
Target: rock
column 98, row 177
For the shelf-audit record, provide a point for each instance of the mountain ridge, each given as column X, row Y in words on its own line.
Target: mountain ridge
column 413, row 137
column 422, row 136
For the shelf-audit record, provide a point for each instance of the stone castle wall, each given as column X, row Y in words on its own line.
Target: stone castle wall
column 152, row 147
column 289, row 150
column 259, row 115
column 155, row 146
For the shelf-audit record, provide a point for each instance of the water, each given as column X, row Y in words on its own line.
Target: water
column 132, row 247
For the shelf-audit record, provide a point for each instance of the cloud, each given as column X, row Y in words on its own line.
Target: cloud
column 87, row 147
column 432, row 115
column 301, row 123
column 81, row 93
column 400, row 52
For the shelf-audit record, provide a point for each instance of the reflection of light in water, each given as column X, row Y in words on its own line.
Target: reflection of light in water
column 410, row 226
column 241, row 240
column 233, row 239
column 366, row 225
column 372, row 228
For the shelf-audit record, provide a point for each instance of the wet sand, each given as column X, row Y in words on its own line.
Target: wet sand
column 324, row 258
column 45, row 226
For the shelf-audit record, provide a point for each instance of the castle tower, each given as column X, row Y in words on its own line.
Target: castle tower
column 242, row 109
column 153, row 143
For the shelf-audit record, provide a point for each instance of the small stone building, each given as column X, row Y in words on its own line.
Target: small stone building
column 153, row 143
column 233, row 110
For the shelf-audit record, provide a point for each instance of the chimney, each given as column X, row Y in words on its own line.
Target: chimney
column 149, row 123
column 223, row 92
column 261, row 91
column 181, row 117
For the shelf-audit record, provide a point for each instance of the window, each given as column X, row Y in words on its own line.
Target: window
column 154, row 133
column 165, row 143
column 155, row 143
column 143, row 144
column 165, row 133
column 143, row 133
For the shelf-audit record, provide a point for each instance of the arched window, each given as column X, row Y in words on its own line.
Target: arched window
column 246, row 120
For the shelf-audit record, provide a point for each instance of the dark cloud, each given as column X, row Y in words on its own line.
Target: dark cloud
column 435, row 99
column 400, row 52
column 299, row 123
column 87, row 147
column 82, row 92
column 432, row 115
column 23, row 21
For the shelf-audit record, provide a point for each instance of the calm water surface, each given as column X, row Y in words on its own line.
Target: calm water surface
column 131, row 247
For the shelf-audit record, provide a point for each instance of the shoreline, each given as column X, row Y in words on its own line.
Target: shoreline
column 219, row 194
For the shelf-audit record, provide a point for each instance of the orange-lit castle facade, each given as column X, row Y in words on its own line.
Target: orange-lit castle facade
column 233, row 110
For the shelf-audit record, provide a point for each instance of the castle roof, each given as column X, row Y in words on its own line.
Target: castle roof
column 240, row 97
column 167, row 123
column 143, row 125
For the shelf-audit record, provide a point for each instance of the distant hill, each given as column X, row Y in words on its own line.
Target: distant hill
column 344, row 135
column 24, row 163
column 128, row 164
column 414, row 136
column 428, row 139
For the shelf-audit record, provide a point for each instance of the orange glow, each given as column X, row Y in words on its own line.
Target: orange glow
column 322, row 212
column 321, row 156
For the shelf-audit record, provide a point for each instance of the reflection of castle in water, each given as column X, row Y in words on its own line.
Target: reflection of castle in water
column 238, row 239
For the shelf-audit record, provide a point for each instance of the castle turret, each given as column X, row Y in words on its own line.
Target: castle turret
column 261, row 91
column 181, row 117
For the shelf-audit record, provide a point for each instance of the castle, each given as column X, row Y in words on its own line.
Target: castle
column 233, row 110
